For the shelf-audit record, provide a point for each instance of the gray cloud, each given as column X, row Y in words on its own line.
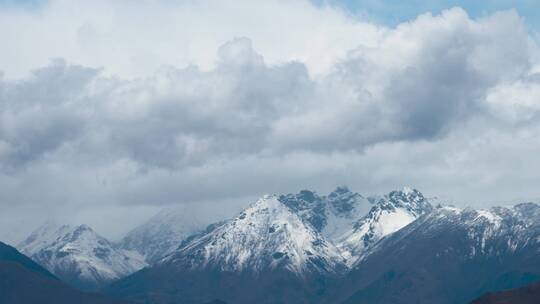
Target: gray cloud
column 41, row 113
column 426, row 105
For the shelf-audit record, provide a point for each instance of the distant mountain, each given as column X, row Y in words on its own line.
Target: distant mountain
column 79, row 255
column 525, row 295
column 267, row 254
column 449, row 256
column 22, row 281
column 163, row 233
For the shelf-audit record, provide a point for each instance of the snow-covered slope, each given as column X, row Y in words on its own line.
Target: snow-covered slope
column 331, row 215
column 266, row 236
column 79, row 255
column 491, row 232
column 389, row 214
column 163, row 233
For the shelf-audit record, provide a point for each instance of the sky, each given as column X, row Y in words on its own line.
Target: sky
column 112, row 110
column 393, row 12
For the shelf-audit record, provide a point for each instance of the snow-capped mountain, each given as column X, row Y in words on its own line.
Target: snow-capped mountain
column 79, row 255
column 266, row 254
column 163, row 233
column 335, row 216
column 387, row 215
column 450, row 255
column 331, row 215
column 263, row 237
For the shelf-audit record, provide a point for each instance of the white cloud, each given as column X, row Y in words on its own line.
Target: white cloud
column 133, row 38
column 310, row 99
column 516, row 102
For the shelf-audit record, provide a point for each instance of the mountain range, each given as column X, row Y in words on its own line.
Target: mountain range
column 306, row 248
column 291, row 248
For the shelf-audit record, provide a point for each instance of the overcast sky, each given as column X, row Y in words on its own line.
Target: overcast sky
column 111, row 110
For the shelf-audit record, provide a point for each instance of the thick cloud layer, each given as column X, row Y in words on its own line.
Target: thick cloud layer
column 444, row 103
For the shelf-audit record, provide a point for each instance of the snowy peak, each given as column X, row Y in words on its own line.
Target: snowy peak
column 79, row 255
column 388, row 215
column 266, row 236
column 409, row 199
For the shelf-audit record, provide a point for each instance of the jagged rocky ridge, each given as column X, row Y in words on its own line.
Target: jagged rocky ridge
column 330, row 215
column 79, row 255
column 354, row 223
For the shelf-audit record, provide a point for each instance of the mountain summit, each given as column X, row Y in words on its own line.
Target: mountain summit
column 265, row 236
column 79, row 255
